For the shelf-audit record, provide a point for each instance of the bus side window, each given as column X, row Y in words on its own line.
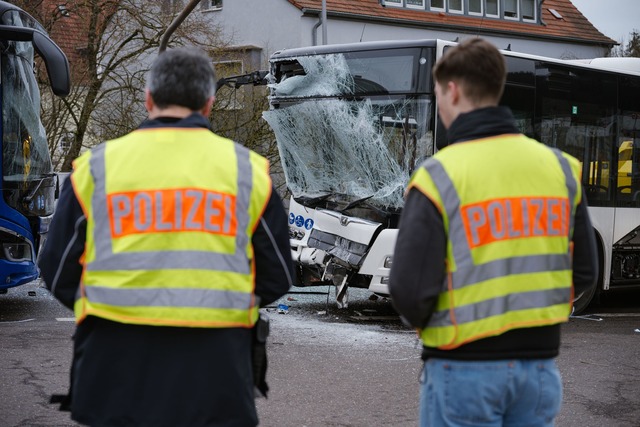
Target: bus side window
column 576, row 113
column 628, row 174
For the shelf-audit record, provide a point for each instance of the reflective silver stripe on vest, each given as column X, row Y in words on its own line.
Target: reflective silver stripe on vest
column 523, row 265
column 466, row 272
column 451, row 200
column 106, row 259
column 500, row 305
column 174, row 297
column 572, row 185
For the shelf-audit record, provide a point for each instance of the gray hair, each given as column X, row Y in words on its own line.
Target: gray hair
column 183, row 77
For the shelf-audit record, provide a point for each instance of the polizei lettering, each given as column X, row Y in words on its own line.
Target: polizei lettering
column 161, row 211
column 512, row 218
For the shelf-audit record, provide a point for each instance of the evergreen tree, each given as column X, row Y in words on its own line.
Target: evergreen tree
column 633, row 46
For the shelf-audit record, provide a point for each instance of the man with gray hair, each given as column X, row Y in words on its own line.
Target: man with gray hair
column 165, row 243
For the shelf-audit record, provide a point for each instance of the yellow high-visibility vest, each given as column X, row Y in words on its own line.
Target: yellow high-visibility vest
column 509, row 261
column 170, row 216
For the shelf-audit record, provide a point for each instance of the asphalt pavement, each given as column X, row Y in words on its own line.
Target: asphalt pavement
column 360, row 366
column 354, row 367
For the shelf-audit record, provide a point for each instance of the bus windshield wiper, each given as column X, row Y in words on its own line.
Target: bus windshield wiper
column 312, row 202
column 355, row 203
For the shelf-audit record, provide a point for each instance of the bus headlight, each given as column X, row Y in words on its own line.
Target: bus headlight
column 15, row 248
column 17, row 251
column 388, row 261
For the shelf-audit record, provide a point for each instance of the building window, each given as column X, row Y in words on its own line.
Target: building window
column 529, row 10
column 437, row 5
column 492, row 8
column 475, row 7
column 393, row 3
column 211, row 4
column 511, row 9
column 455, row 6
column 417, row 4
column 517, row 10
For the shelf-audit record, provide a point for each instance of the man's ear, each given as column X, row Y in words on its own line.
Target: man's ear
column 148, row 101
column 454, row 90
column 207, row 107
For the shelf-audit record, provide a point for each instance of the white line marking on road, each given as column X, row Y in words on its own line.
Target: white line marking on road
column 618, row 315
column 66, row 319
column 16, row 321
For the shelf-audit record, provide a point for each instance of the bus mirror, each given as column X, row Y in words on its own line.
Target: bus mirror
column 55, row 62
column 256, row 78
column 54, row 58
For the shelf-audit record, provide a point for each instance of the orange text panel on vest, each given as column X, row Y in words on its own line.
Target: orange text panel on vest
column 181, row 209
column 513, row 218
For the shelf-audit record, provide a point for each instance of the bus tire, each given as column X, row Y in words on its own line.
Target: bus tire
column 587, row 297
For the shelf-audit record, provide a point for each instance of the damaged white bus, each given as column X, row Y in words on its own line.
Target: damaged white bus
column 352, row 122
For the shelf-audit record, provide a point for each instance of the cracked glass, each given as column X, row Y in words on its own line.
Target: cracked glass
column 351, row 126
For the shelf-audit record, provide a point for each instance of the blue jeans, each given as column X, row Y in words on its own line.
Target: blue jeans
column 514, row 393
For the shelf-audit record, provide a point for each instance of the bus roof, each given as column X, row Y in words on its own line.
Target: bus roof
column 351, row 47
column 627, row 64
column 616, row 65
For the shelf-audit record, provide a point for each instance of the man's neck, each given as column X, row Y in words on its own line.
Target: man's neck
column 171, row 111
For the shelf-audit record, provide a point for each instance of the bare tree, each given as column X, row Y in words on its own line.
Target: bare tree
column 110, row 50
column 110, row 44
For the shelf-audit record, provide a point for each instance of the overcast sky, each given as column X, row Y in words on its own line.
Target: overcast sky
column 614, row 18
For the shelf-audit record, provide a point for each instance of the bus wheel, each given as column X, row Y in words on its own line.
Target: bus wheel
column 583, row 301
column 587, row 297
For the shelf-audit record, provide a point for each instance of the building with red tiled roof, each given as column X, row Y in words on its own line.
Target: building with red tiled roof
column 549, row 20
column 554, row 28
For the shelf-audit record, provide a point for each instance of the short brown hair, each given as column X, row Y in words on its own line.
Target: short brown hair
column 477, row 66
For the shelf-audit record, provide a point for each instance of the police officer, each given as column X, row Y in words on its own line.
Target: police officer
column 494, row 243
column 165, row 243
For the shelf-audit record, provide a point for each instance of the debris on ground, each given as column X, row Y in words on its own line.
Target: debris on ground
column 283, row 309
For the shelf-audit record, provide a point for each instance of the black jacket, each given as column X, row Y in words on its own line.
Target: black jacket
column 418, row 268
column 162, row 376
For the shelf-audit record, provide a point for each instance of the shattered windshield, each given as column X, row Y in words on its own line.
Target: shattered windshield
column 353, row 127
column 25, row 154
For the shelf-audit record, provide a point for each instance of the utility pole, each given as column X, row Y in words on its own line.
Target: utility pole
column 176, row 23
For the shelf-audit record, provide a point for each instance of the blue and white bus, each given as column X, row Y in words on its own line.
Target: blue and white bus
column 28, row 183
